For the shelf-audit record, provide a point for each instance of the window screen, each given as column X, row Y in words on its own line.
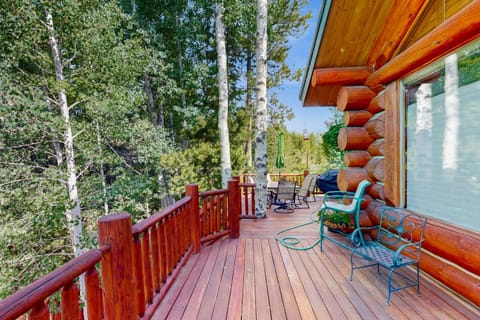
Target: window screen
column 443, row 139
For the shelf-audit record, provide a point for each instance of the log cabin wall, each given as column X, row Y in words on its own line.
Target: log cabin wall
column 371, row 139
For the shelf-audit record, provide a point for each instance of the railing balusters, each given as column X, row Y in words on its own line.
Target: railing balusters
column 69, row 302
column 139, row 276
column 40, row 312
column 138, row 264
column 163, row 252
column 94, row 295
column 155, row 258
column 147, row 267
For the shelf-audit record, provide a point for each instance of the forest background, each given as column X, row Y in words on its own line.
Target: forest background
column 140, row 78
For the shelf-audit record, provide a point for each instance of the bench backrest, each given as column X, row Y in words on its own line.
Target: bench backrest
column 354, row 206
column 399, row 227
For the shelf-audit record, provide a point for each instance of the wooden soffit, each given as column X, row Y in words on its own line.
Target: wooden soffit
column 366, row 34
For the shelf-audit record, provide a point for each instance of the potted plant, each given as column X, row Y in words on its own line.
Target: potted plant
column 338, row 221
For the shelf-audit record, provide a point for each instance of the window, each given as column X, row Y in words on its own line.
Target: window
column 443, row 139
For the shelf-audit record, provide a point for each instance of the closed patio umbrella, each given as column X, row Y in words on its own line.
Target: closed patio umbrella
column 280, row 161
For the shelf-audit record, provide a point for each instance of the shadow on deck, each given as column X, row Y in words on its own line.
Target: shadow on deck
column 254, row 277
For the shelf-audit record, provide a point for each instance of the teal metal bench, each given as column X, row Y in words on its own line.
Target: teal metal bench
column 400, row 235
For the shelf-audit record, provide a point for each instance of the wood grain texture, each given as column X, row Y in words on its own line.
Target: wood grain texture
column 120, row 300
column 401, row 19
column 393, row 159
column 340, row 76
column 377, row 104
column 458, row 30
column 356, row 158
column 354, row 138
column 349, row 178
column 300, row 285
column 354, row 98
column 356, row 118
column 376, row 126
column 377, row 191
column 377, row 148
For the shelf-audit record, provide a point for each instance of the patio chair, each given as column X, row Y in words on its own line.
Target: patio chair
column 400, row 235
column 284, row 197
column 342, row 202
column 306, row 190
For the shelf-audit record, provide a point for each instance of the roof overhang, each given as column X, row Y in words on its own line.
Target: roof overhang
column 354, row 40
column 317, row 39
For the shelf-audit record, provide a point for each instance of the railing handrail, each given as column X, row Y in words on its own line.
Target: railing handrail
column 213, row 193
column 26, row 298
column 126, row 258
column 143, row 225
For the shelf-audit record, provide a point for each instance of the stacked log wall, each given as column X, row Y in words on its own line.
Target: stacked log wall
column 362, row 139
column 371, row 141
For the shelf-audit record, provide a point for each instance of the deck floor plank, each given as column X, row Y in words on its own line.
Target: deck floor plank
column 318, row 295
column 339, row 306
column 349, row 293
column 222, row 301
column 301, row 297
column 255, row 277
column 235, row 300
column 197, row 295
column 213, row 285
column 288, row 297
column 172, row 295
column 373, row 293
column 248, row 305
column 277, row 308
column 262, row 302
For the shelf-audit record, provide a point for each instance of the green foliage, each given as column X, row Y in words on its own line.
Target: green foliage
column 329, row 142
column 296, row 149
column 115, row 55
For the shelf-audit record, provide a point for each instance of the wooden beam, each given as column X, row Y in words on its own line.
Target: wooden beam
column 393, row 157
column 353, row 138
column 354, row 98
column 356, row 158
column 377, row 104
column 377, row 148
column 401, row 19
column 349, row 178
column 376, row 126
column 340, row 76
column 356, row 118
column 458, row 30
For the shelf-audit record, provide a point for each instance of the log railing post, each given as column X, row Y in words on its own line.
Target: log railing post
column 120, row 301
column 234, row 207
column 192, row 191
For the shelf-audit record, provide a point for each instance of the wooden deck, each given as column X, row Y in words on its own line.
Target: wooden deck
column 254, row 277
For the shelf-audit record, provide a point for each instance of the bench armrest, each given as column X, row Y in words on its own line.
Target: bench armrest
column 412, row 248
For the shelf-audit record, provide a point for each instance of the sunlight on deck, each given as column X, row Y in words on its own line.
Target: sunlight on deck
column 254, row 277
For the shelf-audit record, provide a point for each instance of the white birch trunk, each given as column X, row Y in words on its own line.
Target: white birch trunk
column 225, row 163
column 182, row 85
column 250, row 111
column 261, row 112
column 74, row 217
column 102, row 172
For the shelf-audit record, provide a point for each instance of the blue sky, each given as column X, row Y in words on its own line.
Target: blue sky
column 311, row 118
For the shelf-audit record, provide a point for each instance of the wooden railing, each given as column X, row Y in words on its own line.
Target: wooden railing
column 216, row 215
column 247, row 190
column 293, row 177
column 137, row 264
